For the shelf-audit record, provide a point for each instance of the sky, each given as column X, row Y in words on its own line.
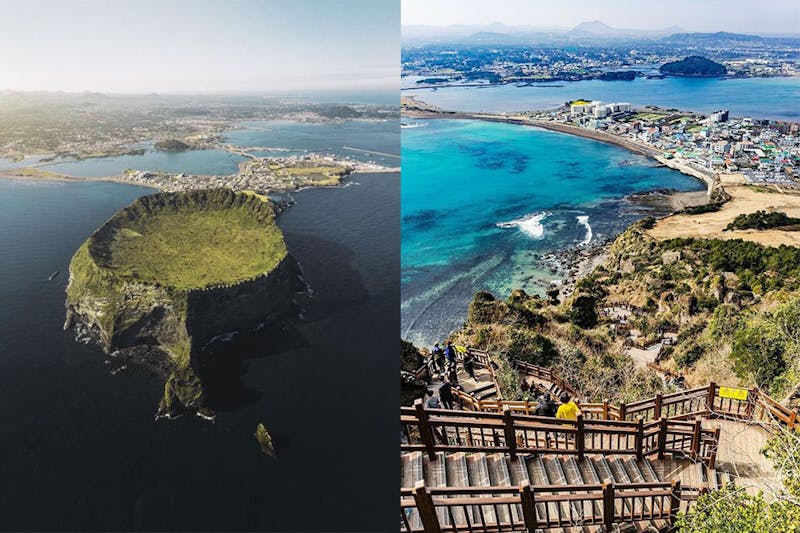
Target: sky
column 194, row 46
column 743, row 16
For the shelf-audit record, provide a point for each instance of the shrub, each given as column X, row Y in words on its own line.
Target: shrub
column 732, row 510
column 532, row 348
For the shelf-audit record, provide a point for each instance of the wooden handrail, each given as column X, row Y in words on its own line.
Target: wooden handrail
column 480, row 507
column 700, row 401
column 437, row 430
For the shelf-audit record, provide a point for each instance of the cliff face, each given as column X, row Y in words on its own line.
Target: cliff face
column 131, row 314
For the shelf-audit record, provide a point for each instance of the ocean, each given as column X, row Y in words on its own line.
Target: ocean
column 482, row 203
column 772, row 98
column 81, row 449
column 361, row 140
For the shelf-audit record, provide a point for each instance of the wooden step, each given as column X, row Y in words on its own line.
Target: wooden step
column 606, row 476
column 411, row 473
column 436, row 476
column 457, row 476
column 479, row 477
column 552, row 468
column 537, row 474
column 500, row 477
column 574, row 476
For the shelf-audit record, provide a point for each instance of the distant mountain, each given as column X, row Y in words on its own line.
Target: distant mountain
column 717, row 36
column 598, row 29
column 497, row 33
column 728, row 39
column 594, row 27
column 694, row 66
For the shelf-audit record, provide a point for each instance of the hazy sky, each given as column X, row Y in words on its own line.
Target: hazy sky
column 765, row 16
column 199, row 45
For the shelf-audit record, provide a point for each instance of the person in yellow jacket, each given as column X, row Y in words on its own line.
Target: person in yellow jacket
column 568, row 409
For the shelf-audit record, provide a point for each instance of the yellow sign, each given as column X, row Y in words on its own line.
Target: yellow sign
column 732, row 392
column 461, row 349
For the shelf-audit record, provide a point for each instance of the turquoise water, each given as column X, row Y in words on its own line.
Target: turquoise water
column 773, row 98
column 481, row 202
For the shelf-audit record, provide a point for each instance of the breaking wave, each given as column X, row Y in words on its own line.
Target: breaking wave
column 531, row 224
column 584, row 221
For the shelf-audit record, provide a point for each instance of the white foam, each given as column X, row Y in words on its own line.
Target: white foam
column 584, row 221
column 531, row 224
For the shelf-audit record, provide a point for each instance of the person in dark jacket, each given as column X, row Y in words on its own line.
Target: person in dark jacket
column 546, row 406
column 446, row 394
column 469, row 365
column 450, row 353
column 438, row 357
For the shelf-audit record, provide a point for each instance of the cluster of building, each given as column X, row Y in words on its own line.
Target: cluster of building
column 763, row 151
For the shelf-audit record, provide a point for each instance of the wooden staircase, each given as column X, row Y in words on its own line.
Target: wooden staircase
column 473, row 471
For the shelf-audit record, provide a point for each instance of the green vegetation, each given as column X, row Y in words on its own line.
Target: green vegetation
column 732, row 510
column 694, row 66
column 761, row 220
column 143, row 273
column 171, row 145
column 702, row 208
column 192, row 241
column 734, row 305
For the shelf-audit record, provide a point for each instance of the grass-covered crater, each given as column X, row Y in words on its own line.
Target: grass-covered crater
column 173, row 271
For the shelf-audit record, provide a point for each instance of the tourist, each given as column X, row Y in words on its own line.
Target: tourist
column 568, row 410
column 469, row 365
column 450, row 353
column 431, row 401
column 438, row 356
column 446, row 394
column 546, row 406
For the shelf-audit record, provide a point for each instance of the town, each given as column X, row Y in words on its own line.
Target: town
column 762, row 151
column 493, row 59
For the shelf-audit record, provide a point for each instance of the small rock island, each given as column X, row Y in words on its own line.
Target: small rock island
column 695, row 67
column 172, row 272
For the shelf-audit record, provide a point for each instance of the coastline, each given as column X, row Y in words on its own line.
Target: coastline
column 431, row 112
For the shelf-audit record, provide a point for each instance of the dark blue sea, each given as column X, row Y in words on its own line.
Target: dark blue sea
column 80, row 448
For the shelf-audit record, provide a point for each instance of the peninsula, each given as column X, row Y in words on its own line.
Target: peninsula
column 170, row 273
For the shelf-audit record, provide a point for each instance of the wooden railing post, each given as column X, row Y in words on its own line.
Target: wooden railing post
column 712, row 460
column 605, row 409
column 639, row 440
column 528, row 506
column 662, row 438
column 426, row 509
column 608, row 506
column 623, row 410
column 580, row 441
column 674, row 501
column 511, row 438
column 712, row 391
column 696, row 435
column 425, row 430
column 657, row 407
column 752, row 394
